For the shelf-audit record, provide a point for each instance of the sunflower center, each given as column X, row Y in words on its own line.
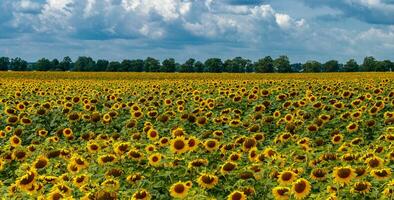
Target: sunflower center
column 286, row 176
column 344, row 173
column 179, row 144
column 179, row 188
column 374, row 163
column 361, row 186
column 207, row 179
column 300, row 187
column 236, row 196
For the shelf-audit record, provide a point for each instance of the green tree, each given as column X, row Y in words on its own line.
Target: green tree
column 136, row 65
column 214, row 65
column 66, row 64
column 101, row 65
column 113, row 66
column 188, row 66
column 351, row 66
column 384, row 66
column 42, row 65
column 18, row 64
column 84, row 63
column 311, row 66
column 369, row 64
column 331, row 66
column 168, row 65
column 199, row 66
column 296, row 67
column 265, row 65
column 151, row 65
column 54, row 65
column 282, row 64
column 4, row 63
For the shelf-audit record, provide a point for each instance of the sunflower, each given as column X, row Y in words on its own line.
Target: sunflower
column 211, row 145
column 374, row 162
column 122, row 148
column 179, row 190
column 248, row 144
column 3, row 134
column 381, row 174
column 135, row 155
column 178, row 145
column 150, row 148
column 153, row 134
column 343, row 175
column 286, row 177
column 199, row 162
column 141, row 194
column 318, row 174
column 27, row 180
column 155, row 159
column 178, row 132
column 15, row 141
column 134, row 178
column 93, row 147
column 164, row 141
column 361, row 187
column 227, row 167
column 301, row 188
column 236, row 195
column 111, row 183
column 80, row 180
column 207, row 181
column 281, row 193
column 80, row 162
column 192, row 143
column 104, row 159
column 67, row 132
column 41, row 162
column 352, row 127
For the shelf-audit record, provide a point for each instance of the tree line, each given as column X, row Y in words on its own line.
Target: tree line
column 235, row 65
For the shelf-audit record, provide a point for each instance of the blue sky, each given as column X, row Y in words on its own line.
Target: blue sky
column 119, row 29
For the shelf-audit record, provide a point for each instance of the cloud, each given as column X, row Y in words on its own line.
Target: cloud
column 370, row 11
column 307, row 29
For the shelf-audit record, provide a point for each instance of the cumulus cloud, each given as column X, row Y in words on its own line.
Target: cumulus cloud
column 370, row 11
column 183, row 28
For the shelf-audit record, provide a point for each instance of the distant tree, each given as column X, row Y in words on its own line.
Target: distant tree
column 249, row 66
column 265, row 65
column 214, row 65
column 17, row 64
column 188, row 66
column 168, row 65
column 42, row 65
column 282, row 64
column 311, row 66
column 54, row 65
column 4, row 63
column 237, row 65
column 383, row 66
column 151, row 65
column 65, row 64
column 369, row 64
column 136, row 65
column 330, row 66
column 84, row 63
column 199, row 66
column 113, row 66
column 296, row 67
column 351, row 66
column 101, row 65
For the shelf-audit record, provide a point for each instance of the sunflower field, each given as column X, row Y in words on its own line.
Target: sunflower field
column 105, row 136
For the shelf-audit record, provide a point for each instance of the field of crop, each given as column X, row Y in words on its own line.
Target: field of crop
column 68, row 135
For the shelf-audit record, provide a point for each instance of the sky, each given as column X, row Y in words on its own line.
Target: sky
column 128, row 29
